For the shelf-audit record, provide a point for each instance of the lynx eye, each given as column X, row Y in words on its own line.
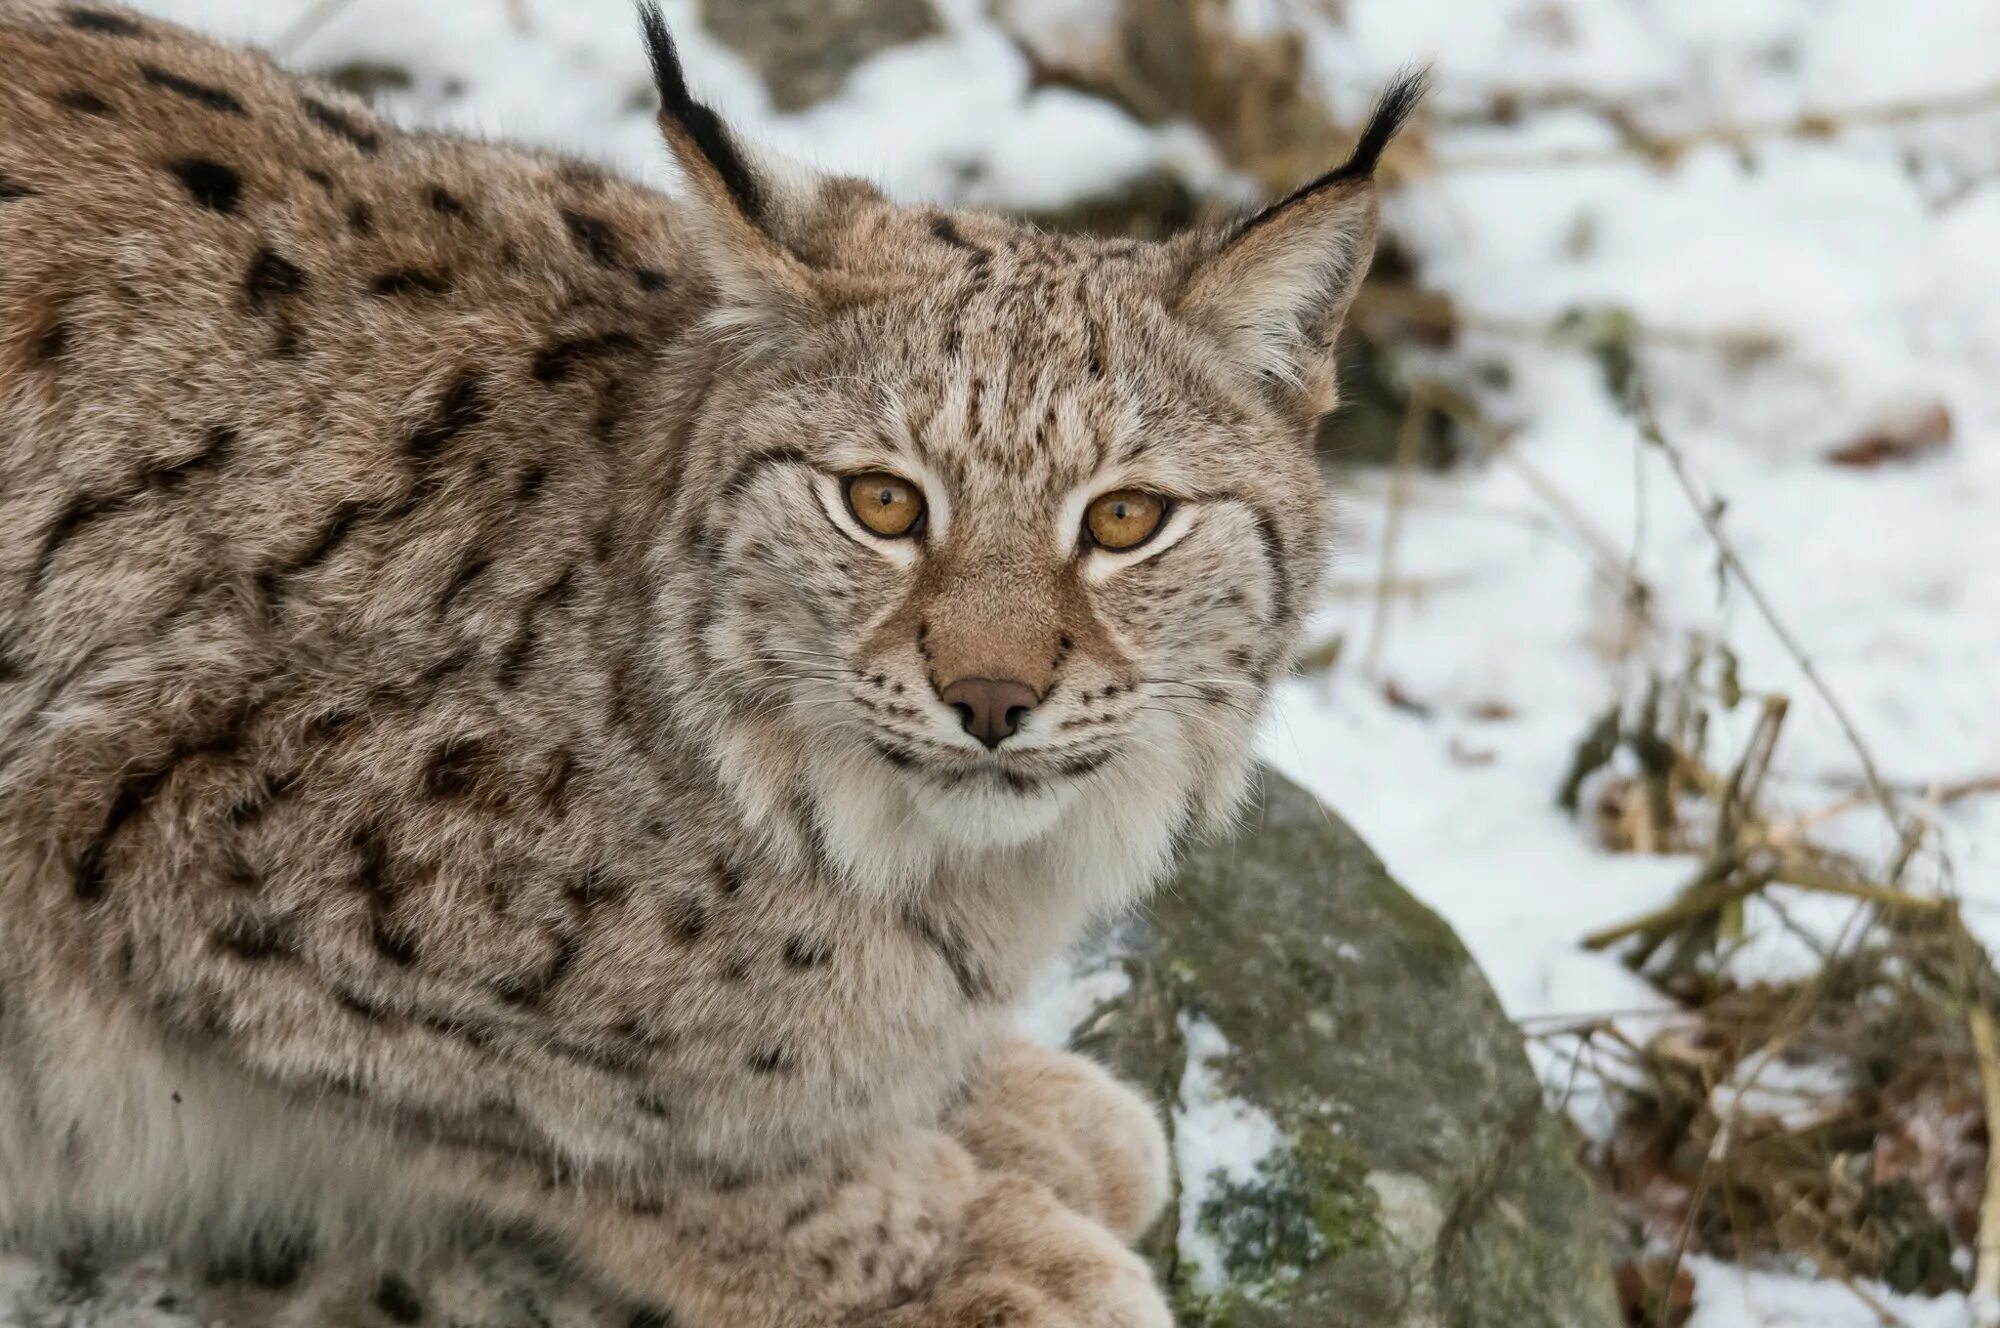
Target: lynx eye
column 886, row 504
column 1124, row 519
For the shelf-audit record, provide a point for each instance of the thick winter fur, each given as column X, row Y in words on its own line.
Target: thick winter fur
column 458, row 750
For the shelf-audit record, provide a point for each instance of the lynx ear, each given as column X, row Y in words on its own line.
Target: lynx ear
column 748, row 209
column 1276, row 287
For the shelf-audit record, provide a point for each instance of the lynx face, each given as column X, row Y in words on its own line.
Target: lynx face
column 1009, row 531
column 999, row 529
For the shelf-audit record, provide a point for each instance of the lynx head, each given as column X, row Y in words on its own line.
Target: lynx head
column 990, row 540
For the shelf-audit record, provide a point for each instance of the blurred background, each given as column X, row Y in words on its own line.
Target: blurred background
column 1661, row 652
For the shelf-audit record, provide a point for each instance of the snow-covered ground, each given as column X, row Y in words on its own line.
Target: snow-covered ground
column 1869, row 258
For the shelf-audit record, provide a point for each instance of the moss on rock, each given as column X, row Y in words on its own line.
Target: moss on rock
column 1422, row 1182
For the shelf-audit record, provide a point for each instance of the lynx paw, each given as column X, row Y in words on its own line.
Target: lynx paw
column 1067, row 1123
column 1027, row 1261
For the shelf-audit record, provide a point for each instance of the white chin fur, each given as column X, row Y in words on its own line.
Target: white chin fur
column 1100, row 840
column 866, row 806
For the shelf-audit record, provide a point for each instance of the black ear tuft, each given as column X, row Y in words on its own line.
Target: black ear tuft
column 702, row 126
column 1405, row 90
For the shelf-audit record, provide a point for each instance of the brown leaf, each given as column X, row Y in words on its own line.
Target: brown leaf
column 1654, row 1294
column 1914, row 435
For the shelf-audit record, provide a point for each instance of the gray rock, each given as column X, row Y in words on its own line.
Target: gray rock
column 1408, row 1176
column 805, row 48
column 1419, row 1180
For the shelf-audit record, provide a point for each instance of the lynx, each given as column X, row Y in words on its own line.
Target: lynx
column 524, row 699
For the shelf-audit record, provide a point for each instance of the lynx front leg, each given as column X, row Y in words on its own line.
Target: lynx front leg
column 916, row 1236
column 1066, row 1122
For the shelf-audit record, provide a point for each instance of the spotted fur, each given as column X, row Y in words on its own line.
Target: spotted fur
column 456, row 748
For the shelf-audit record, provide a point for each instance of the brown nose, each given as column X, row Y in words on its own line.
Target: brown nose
column 990, row 708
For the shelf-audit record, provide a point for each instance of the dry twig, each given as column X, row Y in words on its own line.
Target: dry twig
column 1710, row 516
column 1408, row 436
column 1639, row 143
column 306, row 26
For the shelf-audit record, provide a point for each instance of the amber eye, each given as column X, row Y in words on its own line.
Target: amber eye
column 1125, row 518
column 887, row 505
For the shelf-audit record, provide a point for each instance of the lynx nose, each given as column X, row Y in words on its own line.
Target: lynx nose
column 990, row 708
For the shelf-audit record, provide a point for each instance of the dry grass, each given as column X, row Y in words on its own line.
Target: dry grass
column 1837, row 1119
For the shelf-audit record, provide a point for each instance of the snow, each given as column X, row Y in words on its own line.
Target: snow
column 952, row 117
column 1216, row 1136
column 1065, row 998
column 1733, row 1297
column 1869, row 259
column 1796, row 1096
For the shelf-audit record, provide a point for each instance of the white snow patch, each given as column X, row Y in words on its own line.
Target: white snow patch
column 1063, row 998
column 1215, row 1134
column 1766, row 1087
column 1728, row 1296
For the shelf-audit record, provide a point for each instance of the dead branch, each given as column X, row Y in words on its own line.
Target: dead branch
column 1668, row 148
column 1433, row 315
column 1649, row 429
column 307, row 26
column 1717, row 886
column 1407, row 439
column 1746, row 781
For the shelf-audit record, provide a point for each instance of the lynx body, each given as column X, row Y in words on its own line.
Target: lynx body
column 466, row 744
